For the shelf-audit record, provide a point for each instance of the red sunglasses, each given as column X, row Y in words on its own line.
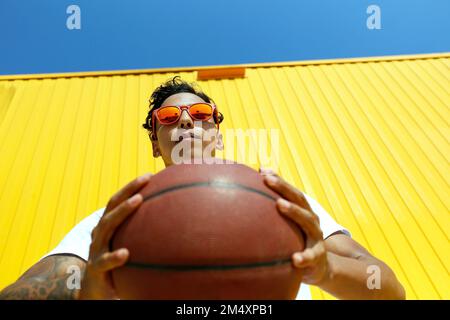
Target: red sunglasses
column 168, row 115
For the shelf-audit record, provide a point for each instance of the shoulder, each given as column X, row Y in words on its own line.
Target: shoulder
column 79, row 238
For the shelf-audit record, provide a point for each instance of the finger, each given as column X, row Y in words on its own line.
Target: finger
column 310, row 256
column 126, row 192
column 301, row 260
column 109, row 223
column 111, row 260
column 306, row 219
column 287, row 191
column 266, row 171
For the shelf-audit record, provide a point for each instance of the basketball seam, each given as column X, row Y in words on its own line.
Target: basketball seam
column 217, row 184
column 166, row 267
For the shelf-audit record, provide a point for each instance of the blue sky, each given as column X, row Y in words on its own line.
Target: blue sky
column 135, row 34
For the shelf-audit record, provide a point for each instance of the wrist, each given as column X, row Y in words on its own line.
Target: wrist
column 76, row 295
column 330, row 271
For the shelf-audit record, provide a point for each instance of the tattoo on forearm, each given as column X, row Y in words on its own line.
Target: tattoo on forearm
column 46, row 281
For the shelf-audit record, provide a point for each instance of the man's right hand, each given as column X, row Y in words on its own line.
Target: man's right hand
column 97, row 282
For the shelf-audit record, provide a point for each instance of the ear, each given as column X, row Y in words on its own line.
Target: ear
column 219, row 143
column 155, row 145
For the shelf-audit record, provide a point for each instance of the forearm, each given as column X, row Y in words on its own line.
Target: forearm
column 38, row 289
column 47, row 279
column 348, row 279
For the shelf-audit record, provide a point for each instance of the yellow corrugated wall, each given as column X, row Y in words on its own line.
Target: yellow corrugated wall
column 369, row 140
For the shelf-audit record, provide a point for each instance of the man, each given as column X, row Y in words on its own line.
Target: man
column 182, row 114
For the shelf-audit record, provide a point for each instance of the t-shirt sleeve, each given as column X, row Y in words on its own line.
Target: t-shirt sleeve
column 78, row 240
column 327, row 223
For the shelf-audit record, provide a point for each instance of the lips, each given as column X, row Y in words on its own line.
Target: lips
column 188, row 135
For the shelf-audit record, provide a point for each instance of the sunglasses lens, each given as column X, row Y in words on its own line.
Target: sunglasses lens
column 201, row 111
column 168, row 114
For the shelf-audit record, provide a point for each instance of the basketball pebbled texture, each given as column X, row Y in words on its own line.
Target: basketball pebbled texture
column 208, row 232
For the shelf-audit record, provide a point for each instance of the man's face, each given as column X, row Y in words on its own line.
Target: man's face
column 186, row 138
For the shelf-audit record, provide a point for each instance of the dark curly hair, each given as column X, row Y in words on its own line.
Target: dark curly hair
column 171, row 87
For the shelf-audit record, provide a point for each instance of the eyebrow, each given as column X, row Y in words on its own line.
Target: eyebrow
column 182, row 104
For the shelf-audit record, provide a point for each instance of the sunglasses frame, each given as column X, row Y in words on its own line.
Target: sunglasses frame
column 187, row 107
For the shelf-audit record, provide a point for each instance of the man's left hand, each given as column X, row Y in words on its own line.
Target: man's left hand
column 313, row 260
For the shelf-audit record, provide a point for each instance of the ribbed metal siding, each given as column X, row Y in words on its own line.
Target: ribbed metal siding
column 368, row 140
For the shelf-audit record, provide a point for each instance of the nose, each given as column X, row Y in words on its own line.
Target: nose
column 185, row 121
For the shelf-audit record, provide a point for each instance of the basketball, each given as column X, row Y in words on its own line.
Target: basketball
column 208, row 232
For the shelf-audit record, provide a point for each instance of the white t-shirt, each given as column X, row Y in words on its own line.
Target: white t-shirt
column 78, row 240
